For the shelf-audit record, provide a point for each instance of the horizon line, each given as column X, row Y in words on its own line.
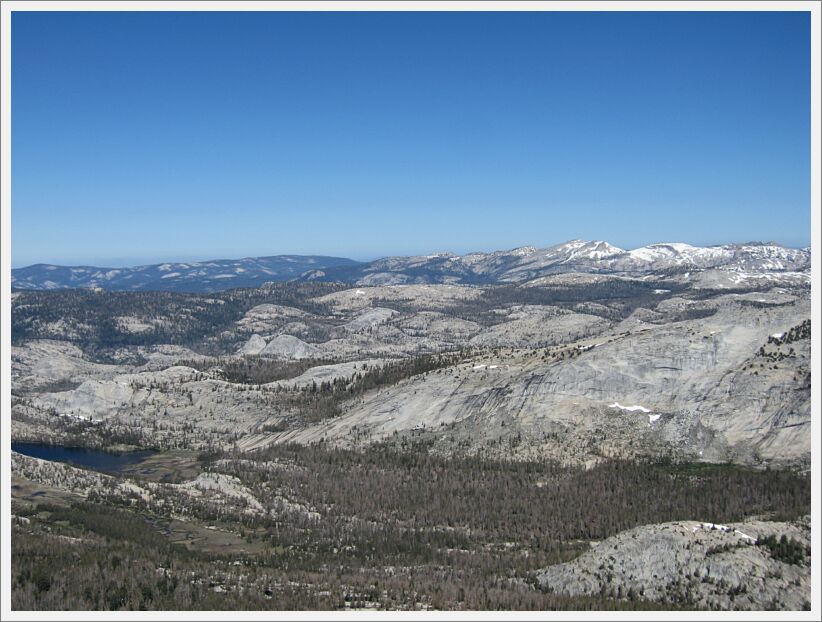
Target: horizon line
column 138, row 264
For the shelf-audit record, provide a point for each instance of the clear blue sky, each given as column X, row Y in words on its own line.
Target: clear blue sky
column 140, row 137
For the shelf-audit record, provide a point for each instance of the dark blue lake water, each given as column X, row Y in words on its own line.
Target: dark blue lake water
column 91, row 458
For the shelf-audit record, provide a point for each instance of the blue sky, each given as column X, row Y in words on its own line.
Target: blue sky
column 140, row 137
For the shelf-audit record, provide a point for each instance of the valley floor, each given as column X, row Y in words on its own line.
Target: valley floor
column 297, row 527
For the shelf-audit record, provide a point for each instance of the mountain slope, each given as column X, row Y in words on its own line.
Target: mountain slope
column 736, row 264
column 194, row 276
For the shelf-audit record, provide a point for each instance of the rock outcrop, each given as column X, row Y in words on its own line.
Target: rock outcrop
column 695, row 564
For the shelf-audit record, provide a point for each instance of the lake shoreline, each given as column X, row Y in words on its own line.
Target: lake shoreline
column 93, row 458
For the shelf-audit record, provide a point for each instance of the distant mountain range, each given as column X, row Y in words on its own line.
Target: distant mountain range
column 192, row 276
column 728, row 265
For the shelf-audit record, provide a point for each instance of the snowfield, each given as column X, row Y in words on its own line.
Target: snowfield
column 629, row 408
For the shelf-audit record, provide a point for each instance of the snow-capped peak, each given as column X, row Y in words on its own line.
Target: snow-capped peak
column 596, row 250
column 679, row 253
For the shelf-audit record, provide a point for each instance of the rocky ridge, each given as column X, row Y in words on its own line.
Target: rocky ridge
column 733, row 262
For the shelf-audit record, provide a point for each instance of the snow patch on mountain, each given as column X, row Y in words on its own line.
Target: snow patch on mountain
column 729, row 266
column 629, row 408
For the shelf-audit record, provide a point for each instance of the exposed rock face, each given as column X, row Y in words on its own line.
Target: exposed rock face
column 254, row 345
column 427, row 297
column 711, row 394
column 267, row 318
column 383, row 278
column 439, row 326
column 700, row 374
column 697, row 564
column 536, row 327
column 328, row 373
column 288, row 347
column 369, row 319
column 93, row 397
column 42, row 364
column 167, row 404
column 99, row 399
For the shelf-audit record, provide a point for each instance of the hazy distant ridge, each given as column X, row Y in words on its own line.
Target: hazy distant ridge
column 192, row 276
column 735, row 261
